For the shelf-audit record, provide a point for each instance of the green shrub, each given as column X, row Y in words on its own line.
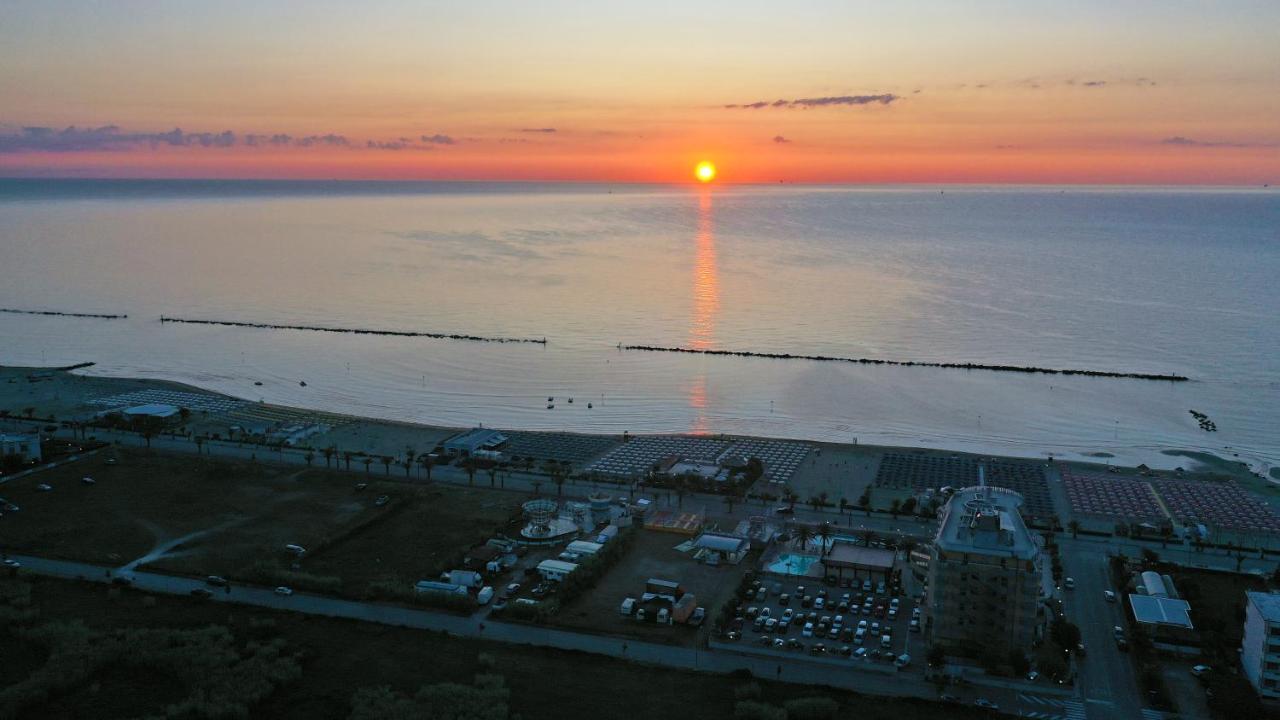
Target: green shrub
column 753, row 710
column 811, row 708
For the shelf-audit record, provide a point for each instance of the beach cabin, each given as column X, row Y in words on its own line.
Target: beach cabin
column 556, row 570
column 471, row 442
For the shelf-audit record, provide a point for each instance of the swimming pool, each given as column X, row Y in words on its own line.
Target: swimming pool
column 791, row 564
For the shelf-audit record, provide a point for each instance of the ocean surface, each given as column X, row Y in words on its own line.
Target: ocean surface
column 1152, row 280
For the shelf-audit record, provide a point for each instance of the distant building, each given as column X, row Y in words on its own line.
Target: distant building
column 984, row 574
column 870, row 562
column 1260, row 650
column 556, row 570
column 719, row 548
column 26, row 447
column 473, row 441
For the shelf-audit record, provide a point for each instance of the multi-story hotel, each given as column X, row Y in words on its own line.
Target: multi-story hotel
column 1260, row 650
column 984, row 574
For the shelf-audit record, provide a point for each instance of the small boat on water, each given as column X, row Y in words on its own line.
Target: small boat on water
column 550, row 406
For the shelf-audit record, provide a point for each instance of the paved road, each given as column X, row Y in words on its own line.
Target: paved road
column 798, row 671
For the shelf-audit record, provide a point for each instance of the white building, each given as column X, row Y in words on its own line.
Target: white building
column 1260, row 650
column 556, row 570
column 26, row 447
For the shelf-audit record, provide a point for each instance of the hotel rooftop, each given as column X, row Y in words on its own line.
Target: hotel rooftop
column 985, row 520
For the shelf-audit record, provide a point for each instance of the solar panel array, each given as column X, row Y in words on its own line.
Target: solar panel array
column 635, row 458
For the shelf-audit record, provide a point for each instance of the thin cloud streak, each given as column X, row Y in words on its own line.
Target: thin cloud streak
column 111, row 138
column 815, row 102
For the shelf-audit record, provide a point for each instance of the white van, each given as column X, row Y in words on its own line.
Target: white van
column 628, row 607
column 886, row 641
column 485, row 595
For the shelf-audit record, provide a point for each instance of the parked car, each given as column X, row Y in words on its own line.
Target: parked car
column 807, row 631
column 44, row 487
column 11, row 563
column 819, row 603
column 985, row 703
column 88, row 481
column 771, row 625
column 1201, row 670
column 1109, row 596
column 1069, row 583
column 283, row 590
column 788, row 614
column 202, row 593
column 216, row 581
column 784, row 599
column 512, row 589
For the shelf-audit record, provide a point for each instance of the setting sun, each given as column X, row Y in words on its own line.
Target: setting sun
column 705, row 172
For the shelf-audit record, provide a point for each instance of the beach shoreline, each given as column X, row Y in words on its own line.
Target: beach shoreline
column 374, row 435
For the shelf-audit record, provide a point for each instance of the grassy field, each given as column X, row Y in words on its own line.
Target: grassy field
column 200, row 516
column 340, row 656
column 147, row 500
column 425, row 533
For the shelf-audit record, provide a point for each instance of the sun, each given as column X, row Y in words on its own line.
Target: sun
column 705, row 171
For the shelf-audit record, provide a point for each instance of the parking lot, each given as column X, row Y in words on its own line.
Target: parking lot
column 866, row 622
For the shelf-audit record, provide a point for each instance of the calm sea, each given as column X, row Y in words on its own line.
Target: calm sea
column 1183, row 281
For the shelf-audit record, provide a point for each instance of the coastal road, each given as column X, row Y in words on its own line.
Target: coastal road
column 1106, row 677
column 835, row 674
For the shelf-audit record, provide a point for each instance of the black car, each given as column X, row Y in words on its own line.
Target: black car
column 216, row 581
column 121, row 580
column 202, row 593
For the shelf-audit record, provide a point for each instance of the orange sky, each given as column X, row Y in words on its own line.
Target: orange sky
column 1140, row 92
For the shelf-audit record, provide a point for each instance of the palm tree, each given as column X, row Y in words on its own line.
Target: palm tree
column 1165, row 533
column 427, row 462
column 894, row 507
column 728, row 500
column 309, row 457
column 199, row 444
column 386, row 464
column 824, row 533
column 346, row 457
column 470, row 466
column 844, row 506
column 408, row 465
column 367, row 462
column 492, row 470
column 558, row 477
column 329, row 452
column 804, row 536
